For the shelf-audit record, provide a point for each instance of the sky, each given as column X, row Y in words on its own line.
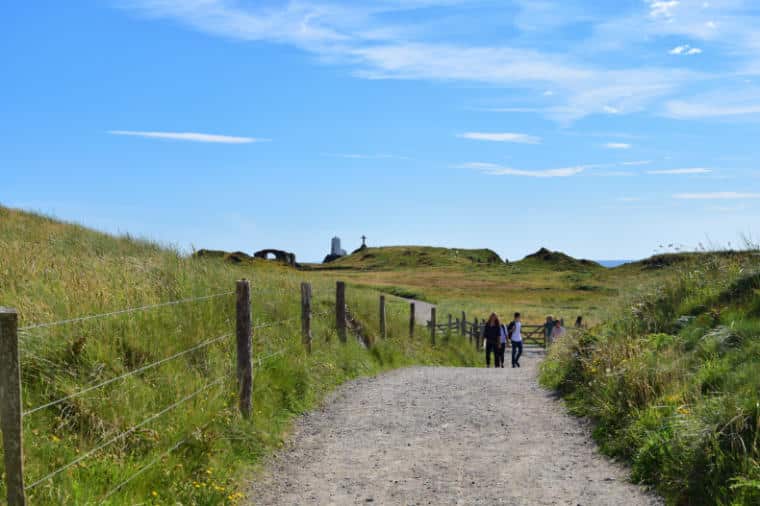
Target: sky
column 602, row 129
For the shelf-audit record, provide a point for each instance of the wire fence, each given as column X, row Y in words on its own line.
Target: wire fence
column 121, row 312
column 267, row 348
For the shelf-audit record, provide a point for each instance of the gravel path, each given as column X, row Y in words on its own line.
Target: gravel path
column 444, row 436
column 422, row 311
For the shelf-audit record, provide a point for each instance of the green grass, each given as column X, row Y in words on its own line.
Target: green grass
column 669, row 371
column 672, row 380
column 52, row 271
column 412, row 257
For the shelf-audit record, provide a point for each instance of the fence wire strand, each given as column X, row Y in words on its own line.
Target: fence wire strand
column 140, row 471
column 126, row 433
column 122, row 311
column 128, row 374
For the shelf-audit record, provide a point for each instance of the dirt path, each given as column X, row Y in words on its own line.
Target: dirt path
column 422, row 311
column 444, row 436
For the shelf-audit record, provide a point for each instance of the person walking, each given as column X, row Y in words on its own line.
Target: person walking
column 558, row 331
column 548, row 328
column 502, row 346
column 515, row 336
column 492, row 336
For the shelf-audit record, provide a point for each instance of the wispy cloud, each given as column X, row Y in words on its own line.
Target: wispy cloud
column 189, row 136
column 693, row 110
column 376, row 44
column 692, row 170
column 492, row 169
column 617, row 145
column 717, row 196
column 501, row 137
column 685, row 50
column 367, row 156
column 637, row 162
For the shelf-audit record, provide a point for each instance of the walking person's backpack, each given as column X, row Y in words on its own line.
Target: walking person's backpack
column 511, row 329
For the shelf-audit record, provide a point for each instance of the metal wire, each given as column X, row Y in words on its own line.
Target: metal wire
column 125, row 433
column 128, row 374
column 123, row 311
column 143, row 469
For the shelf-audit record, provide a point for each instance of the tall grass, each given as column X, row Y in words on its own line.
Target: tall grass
column 52, row 271
column 673, row 381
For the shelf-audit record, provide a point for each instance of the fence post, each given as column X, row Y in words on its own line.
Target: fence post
column 10, row 407
column 412, row 323
column 450, row 325
column 457, row 326
column 306, row 315
column 244, row 345
column 383, row 332
column 340, row 310
column 432, row 325
column 476, row 333
column 463, row 330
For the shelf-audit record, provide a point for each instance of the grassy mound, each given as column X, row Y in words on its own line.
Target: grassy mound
column 392, row 257
column 673, row 381
column 51, row 271
column 558, row 260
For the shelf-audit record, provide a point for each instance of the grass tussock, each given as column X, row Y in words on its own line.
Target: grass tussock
column 673, row 381
column 52, row 271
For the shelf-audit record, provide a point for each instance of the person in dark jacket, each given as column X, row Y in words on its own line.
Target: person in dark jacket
column 492, row 336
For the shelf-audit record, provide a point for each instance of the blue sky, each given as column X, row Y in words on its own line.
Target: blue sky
column 602, row 131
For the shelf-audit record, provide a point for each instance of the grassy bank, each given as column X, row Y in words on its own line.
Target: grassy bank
column 199, row 449
column 672, row 381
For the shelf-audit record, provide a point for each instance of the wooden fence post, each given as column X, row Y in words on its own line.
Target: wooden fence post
column 412, row 323
column 476, row 333
column 244, row 346
column 383, row 332
column 10, row 407
column 340, row 310
column 463, row 331
column 306, row 315
column 448, row 332
column 457, row 326
column 432, row 325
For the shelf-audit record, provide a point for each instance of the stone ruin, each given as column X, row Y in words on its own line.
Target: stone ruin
column 279, row 256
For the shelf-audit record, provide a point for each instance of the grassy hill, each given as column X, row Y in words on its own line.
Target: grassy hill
column 479, row 281
column 52, row 271
column 544, row 258
column 393, row 257
column 672, row 379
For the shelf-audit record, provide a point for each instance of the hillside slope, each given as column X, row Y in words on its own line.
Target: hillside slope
column 392, row 257
column 673, row 381
column 182, row 413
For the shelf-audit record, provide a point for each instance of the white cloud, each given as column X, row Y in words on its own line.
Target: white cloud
column 637, row 162
column 731, row 102
column 717, row 196
column 497, row 170
column 694, row 170
column 369, row 39
column 662, row 8
column 501, row 137
column 686, row 49
column 189, row 136
column 617, row 145
column 365, row 156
